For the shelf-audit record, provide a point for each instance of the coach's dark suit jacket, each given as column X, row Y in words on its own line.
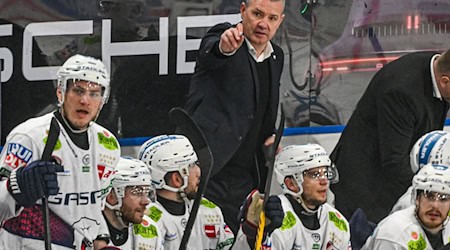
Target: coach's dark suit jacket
column 372, row 155
column 223, row 94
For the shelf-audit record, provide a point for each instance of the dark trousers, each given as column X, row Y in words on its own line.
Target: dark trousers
column 228, row 190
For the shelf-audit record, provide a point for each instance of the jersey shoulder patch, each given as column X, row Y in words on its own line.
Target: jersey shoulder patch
column 145, row 229
column 207, row 203
column 154, row 213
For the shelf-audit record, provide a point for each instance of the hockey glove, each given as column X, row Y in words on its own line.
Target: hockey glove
column 30, row 183
column 250, row 213
column 274, row 213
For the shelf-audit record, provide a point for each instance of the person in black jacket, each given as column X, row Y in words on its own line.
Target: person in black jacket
column 233, row 97
column 405, row 99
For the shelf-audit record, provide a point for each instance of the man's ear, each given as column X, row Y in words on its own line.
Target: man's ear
column 176, row 180
column 111, row 198
column 444, row 81
column 59, row 94
column 242, row 8
column 290, row 183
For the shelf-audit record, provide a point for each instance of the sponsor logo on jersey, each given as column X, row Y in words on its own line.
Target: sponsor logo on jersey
column 86, row 159
column 330, row 246
column 146, row 232
column 417, row 244
column 17, row 155
column 58, row 144
column 85, row 169
column 78, row 199
column 316, row 246
column 339, row 223
column 170, row 237
column 288, row 222
column 315, row 237
column 207, row 203
column 227, row 242
column 104, row 171
column 210, row 231
column 227, row 229
column 183, row 222
column 108, row 142
column 154, row 213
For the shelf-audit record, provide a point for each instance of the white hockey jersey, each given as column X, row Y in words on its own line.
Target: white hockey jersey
column 209, row 230
column 404, row 201
column 401, row 230
column 333, row 234
column 75, row 212
column 144, row 236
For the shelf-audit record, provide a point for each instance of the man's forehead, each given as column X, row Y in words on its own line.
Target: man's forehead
column 268, row 7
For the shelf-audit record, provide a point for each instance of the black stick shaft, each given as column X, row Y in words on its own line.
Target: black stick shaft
column 52, row 138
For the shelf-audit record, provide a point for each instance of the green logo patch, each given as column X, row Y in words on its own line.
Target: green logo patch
column 207, row 203
column 155, row 214
column 289, row 221
column 146, row 232
column 339, row 223
column 109, row 143
column 57, row 145
column 316, row 246
column 225, row 243
column 419, row 244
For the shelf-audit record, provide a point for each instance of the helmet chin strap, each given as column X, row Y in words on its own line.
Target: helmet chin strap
column 302, row 203
column 184, row 197
column 120, row 220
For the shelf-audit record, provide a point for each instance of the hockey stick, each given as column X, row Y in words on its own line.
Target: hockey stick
column 52, row 138
column 269, row 153
column 187, row 126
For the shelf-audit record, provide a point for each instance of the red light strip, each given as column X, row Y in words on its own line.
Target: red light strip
column 408, row 22
column 358, row 60
column 416, row 22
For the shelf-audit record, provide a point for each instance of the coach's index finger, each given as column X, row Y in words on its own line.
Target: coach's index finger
column 240, row 32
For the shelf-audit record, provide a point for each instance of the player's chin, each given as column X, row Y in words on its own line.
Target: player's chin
column 191, row 195
column 137, row 219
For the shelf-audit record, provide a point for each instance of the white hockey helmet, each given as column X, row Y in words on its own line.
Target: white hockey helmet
column 128, row 173
column 85, row 68
column 295, row 159
column 168, row 153
column 432, row 178
column 433, row 147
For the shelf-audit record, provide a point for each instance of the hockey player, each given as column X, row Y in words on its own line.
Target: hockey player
column 304, row 173
column 131, row 192
column 423, row 225
column 76, row 181
column 176, row 174
column 433, row 147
